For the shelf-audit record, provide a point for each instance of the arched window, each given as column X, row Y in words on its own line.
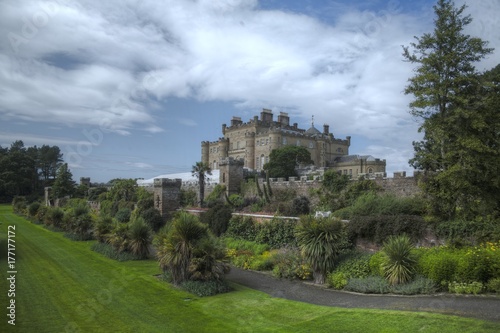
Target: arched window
column 262, row 161
column 215, row 165
column 370, row 170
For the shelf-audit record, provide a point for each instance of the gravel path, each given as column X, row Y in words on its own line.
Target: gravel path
column 480, row 307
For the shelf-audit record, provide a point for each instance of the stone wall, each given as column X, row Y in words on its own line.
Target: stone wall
column 167, row 195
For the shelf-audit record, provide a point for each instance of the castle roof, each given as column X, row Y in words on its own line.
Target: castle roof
column 351, row 158
column 313, row 131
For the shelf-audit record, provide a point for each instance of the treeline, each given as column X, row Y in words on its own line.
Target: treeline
column 27, row 170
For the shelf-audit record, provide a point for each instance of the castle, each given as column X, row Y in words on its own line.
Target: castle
column 253, row 141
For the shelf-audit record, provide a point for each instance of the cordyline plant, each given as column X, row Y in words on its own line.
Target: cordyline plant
column 398, row 262
column 320, row 241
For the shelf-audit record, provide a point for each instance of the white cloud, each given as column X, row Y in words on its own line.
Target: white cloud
column 108, row 63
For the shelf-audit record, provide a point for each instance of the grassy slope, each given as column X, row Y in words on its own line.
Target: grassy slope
column 62, row 286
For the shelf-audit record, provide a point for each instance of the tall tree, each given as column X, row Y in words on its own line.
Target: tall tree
column 201, row 170
column 64, row 184
column 446, row 86
column 284, row 160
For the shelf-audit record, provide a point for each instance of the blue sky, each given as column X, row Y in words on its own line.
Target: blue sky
column 129, row 89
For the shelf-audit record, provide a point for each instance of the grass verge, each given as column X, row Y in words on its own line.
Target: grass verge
column 63, row 286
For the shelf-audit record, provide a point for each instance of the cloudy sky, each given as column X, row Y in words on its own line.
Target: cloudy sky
column 129, row 89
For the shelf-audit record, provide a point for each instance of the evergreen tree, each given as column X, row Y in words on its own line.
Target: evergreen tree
column 449, row 101
column 284, row 160
column 64, row 184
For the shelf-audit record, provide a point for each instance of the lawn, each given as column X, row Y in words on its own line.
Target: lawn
column 63, row 286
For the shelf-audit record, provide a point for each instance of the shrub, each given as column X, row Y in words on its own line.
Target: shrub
column 375, row 263
column 494, row 285
column 205, row 288
column 468, row 232
column 139, row 236
column 289, row 264
column 188, row 198
column 33, row 209
column 300, row 206
column 54, row 217
column 320, row 242
column 420, row 285
column 236, row 201
column 253, row 248
column 217, row 218
column 277, row 233
column 19, row 205
column 109, row 251
column 399, row 262
column 337, row 280
column 41, row 213
column 380, row 227
column 356, row 265
column 465, row 288
column 242, row 227
column 153, row 218
column 479, row 263
column 123, row 215
column 369, row 285
column 439, row 264
column 102, row 227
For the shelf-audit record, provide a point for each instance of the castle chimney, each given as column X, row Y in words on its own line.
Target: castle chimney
column 224, row 129
column 326, row 129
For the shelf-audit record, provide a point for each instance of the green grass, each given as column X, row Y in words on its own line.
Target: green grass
column 63, row 286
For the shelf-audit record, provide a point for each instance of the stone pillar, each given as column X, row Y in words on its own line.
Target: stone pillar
column 231, row 174
column 167, row 195
column 47, row 196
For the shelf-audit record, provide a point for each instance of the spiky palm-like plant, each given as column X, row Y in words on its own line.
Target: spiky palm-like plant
column 201, row 170
column 398, row 262
column 320, row 241
column 207, row 264
column 139, row 235
column 175, row 248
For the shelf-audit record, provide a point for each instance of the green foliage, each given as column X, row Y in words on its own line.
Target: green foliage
column 243, row 227
column 369, row 285
column 201, row 171
column 153, row 218
column 290, row 264
column 54, row 217
column 378, row 228
column 19, row 204
column 465, row 288
column 494, row 285
column 123, row 190
column 300, row 206
column 337, row 280
column 320, row 241
column 469, row 232
column 123, row 215
column 216, row 196
column 460, row 122
column 284, row 160
column 206, row 288
column 420, row 285
column 376, row 262
column 250, row 247
column 236, row 201
column 276, row 232
column 33, row 209
column 139, row 238
column 111, row 252
column 439, row 264
column 399, row 262
column 41, row 213
column 357, row 265
column 188, row 198
column 334, row 182
column 217, row 218
column 64, row 184
column 102, row 227
column 479, row 263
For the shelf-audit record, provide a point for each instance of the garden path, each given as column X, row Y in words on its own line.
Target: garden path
column 484, row 307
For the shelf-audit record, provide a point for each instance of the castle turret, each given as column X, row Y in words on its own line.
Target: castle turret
column 223, row 147
column 205, row 148
column 250, row 150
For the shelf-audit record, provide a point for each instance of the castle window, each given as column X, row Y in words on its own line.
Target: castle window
column 370, row 170
column 284, row 140
column 257, row 142
column 267, row 142
column 311, row 145
column 262, row 161
column 345, row 172
column 215, row 165
column 256, row 163
column 350, row 172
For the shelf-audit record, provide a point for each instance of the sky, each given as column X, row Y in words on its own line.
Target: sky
column 129, row 89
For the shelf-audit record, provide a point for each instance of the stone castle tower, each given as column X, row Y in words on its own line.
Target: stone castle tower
column 167, row 195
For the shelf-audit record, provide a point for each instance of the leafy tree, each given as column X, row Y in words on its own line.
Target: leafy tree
column 284, row 160
column 320, row 241
column 123, row 190
column 64, row 184
column 201, row 170
column 460, row 124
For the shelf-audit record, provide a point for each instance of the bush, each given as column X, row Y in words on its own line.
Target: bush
column 289, row 264
column 439, row 264
column 206, row 288
column 469, row 232
column 379, row 228
column 54, row 217
column 371, row 204
column 355, row 265
column 494, row 285
column 277, row 233
column 188, row 198
column 253, row 248
column 399, row 262
column 102, row 228
column 369, row 285
column 41, row 213
column 109, row 251
column 123, row 215
column 242, row 227
column 375, row 263
column 300, row 206
column 153, row 218
column 337, row 280
column 33, row 209
column 479, row 263
column 217, row 218
column 139, row 238
column 420, row 285
column 465, row 288
column 19, row 205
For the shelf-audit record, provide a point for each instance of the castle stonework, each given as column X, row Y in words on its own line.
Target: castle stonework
column 167, row 195
column 253, row 141
column 231, row 174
